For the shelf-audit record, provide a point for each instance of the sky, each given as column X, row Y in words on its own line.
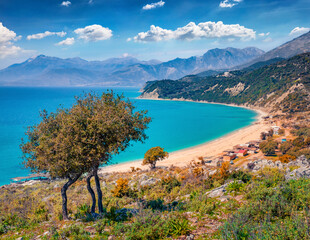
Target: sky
column 144, row 29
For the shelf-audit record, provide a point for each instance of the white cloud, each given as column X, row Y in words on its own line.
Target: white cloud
column 7, row 37
column 191, row 31
column 66, row 3
column 299, row 31
column 94, row 33
column 154, row 5
column 264, row 34
column 229, row 3
column 66, row 42
column 268, row 39
column 46, row 34
column 90, row 2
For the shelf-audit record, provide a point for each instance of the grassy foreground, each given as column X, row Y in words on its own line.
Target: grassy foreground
column 259, row 206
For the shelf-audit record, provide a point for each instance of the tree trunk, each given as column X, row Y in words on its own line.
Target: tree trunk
column 64, row 196
column 91, row 192
column 99, row 192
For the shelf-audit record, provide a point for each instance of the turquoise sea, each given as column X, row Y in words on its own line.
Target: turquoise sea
column 175, row 125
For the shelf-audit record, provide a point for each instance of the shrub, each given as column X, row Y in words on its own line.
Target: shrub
column 201, row 204
column 279, row 212
column 285, row 147
column 222, row 172
column 268, row 147
column 241, row 175
column 75, row 231
column 122, row 189
column 84, row 212
column 177, row 225
column 157, row 204
column 153, row 225
column 235, row 186
column 169, row 183
column 286, row 158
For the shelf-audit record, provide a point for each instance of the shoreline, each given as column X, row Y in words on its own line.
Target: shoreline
column 213, row 148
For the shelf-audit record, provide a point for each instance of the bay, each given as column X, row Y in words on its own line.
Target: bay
column 175, row 125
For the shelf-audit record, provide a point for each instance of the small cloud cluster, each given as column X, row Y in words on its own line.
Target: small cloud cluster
column 94, row 33
column 299, row 31
column 66, row 3
column 264, row 34
column 46, row 34
column 192, row 31
column 229, row 3
column 7, row 37
column 154, row 5
column 66, row 42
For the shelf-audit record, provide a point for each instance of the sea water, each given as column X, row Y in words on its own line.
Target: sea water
column 175, row 125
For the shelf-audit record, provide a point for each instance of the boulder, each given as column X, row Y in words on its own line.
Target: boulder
column 220, row 191
column 148, row 182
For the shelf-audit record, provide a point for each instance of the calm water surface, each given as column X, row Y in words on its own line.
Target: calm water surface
column 175, row 125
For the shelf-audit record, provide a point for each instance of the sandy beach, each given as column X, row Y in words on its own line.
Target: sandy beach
column 209, row 149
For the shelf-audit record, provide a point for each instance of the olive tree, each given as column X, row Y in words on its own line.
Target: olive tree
column 113, row 125
column 71, row 142
column 153, row 155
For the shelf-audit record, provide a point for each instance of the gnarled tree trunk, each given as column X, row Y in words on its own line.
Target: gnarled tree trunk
column 99, row 192
column 64, row 195
column 91, row 192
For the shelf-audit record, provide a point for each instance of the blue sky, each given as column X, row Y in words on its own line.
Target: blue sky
column 145, row 29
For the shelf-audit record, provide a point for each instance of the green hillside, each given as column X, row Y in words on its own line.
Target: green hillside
column 284, row 85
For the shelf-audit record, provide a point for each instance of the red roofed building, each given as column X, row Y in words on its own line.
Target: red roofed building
column 242, row 153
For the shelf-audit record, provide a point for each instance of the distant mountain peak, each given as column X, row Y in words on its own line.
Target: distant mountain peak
column 289, row 49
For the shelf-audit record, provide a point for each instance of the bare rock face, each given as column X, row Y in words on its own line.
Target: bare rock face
column 300, row 168
column 220, row 191
column 147, row 181
column 303, row 170
column 261, row 163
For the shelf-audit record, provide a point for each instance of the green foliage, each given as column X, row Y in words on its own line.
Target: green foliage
column 241, row 175
column 170, row 183
column 149, row 225
column 84, row 213
column 153, row 155
column 268, row 147
column 235, row 186
column 78, row 140
column 274, row 211
column 74, row 232
column 263, row 85
column 201, row 204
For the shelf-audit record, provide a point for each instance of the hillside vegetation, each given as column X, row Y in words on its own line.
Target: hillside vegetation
column 284, row 86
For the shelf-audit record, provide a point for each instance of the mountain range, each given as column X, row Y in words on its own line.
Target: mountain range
column 289, row 49
column 128, row 71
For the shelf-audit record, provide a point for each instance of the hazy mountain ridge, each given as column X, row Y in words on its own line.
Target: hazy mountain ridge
column 127, row 71
column 289, row 49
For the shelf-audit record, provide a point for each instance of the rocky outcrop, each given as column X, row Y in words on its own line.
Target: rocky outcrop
column 220, row 191
column 145, row 181
column 300, row 168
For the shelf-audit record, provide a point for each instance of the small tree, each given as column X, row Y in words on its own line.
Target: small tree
column 153, row 155
column 268, row 147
